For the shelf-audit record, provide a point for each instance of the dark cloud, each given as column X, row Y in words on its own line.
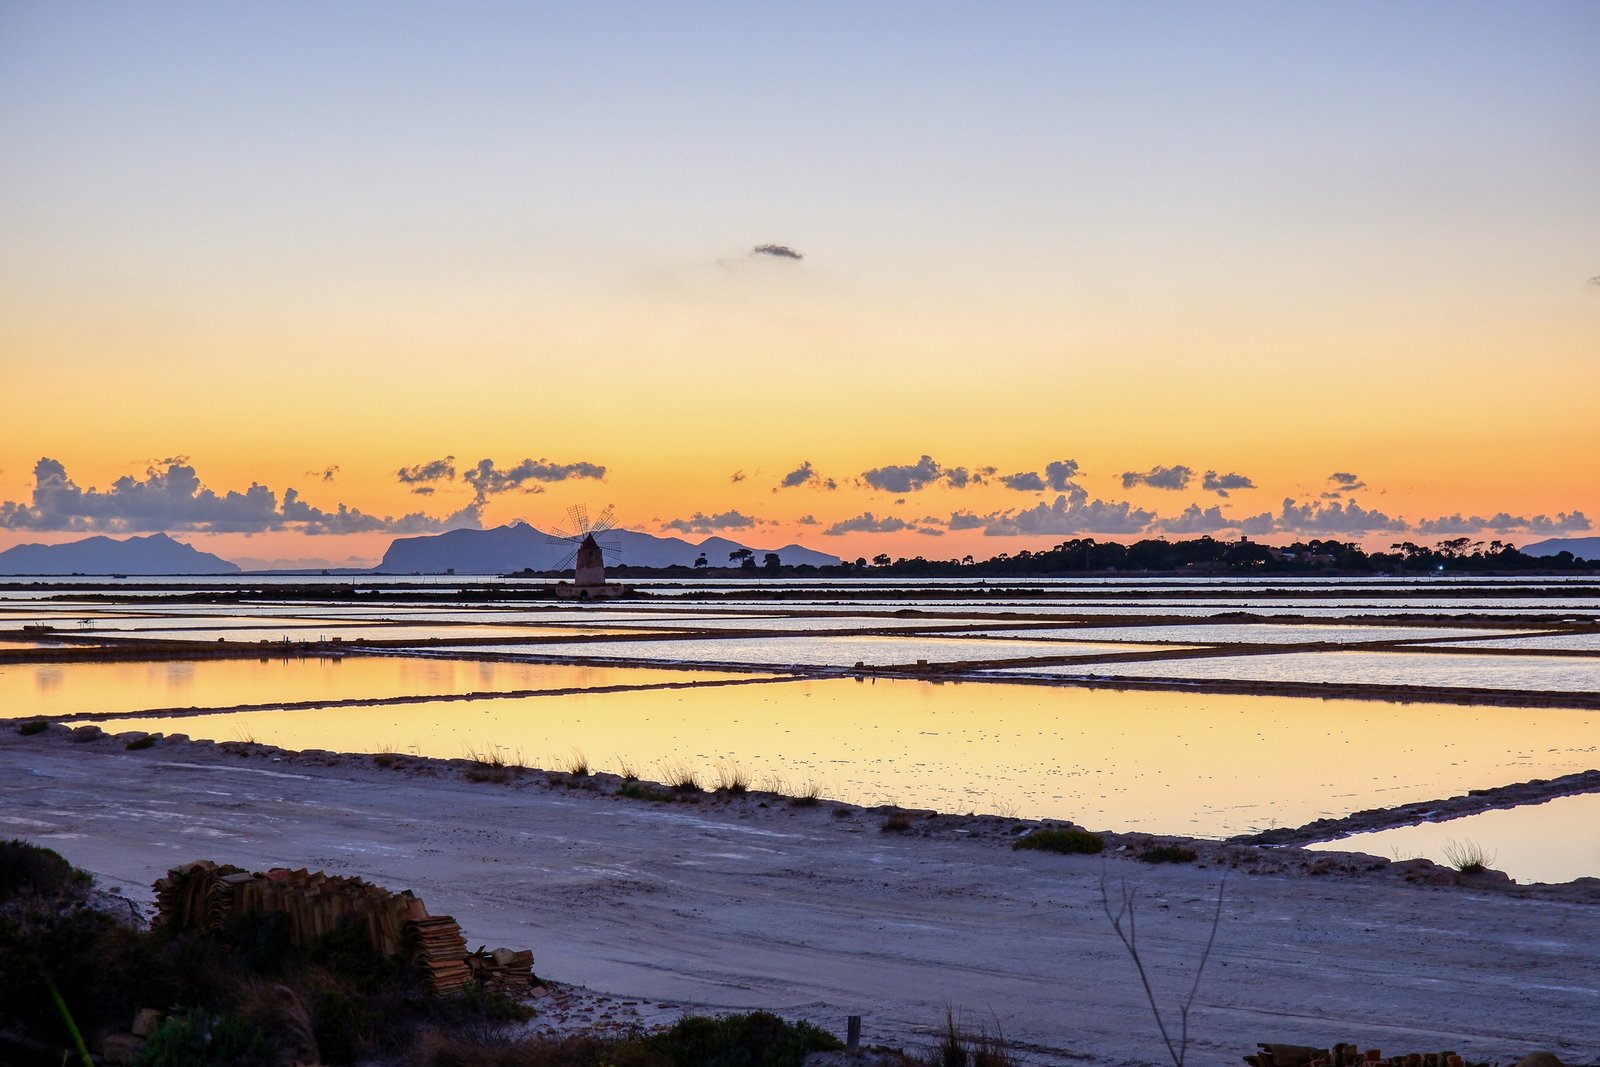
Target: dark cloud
column 780, row 251
column 1159, row 477
column 867, row 522
column 488, row 480
column 909, row 478
column 807, row 520
column 700, row 522
column 1060, row 473
column 326, row 474
column 1343, row 482
column 1223, row 484
column 424, row 490
column 806, row 474
column 966, row 520
column 1024, row 481
column 737, row 476
column 437, row 470
column 960, row 477
column 171, row 497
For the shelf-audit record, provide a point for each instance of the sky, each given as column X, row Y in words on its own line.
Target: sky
column 288, row 281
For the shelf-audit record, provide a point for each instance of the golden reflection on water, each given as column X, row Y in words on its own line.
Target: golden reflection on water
column 1556, row 841
column 1208, row 764
column 64, row 689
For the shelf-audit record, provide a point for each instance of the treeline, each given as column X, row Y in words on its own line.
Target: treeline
column 1201, row 555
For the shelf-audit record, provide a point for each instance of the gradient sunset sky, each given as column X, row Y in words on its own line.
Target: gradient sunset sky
column 287, row 280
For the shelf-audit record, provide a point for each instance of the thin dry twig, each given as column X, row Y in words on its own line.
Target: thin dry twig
column 1125, row 922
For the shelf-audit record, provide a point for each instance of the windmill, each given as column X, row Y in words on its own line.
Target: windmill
column 587, row 551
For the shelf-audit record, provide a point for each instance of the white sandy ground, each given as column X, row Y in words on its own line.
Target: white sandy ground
column 715, row 907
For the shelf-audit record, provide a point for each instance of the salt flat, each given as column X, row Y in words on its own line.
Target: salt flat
column 730, row 905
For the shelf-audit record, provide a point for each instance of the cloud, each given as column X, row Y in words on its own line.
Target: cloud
column 1564, row 522
column 807, row 520
column 926, row 471
column 966, row 520
column 1342, row 482
column 780, row 251
column 867, row 522
column 1070, row 514
column 1023, row 481
column 1334, row 517
column 806, row 474
column 1196, row 520
column 960, row 477
column 737, row 476
column 326, row 474
column 1223, row 484
column 700, row 522
column 1159, row 477
column 1059, row 474
column 171, row 497
column 488, row 480
column 437, row 470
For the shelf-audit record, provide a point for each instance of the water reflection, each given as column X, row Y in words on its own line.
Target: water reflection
column 1176, row 762
column 52, row 689
column 1556, row 841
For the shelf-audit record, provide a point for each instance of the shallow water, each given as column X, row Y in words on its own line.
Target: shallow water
column 1203, row 764
column 1252, row 633
column 843, row 652
column 1556, row 841
column 1541, row 673
column 62, row 689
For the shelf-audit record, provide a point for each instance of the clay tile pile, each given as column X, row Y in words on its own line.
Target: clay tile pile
column 207, row 896
column 1345, row 1055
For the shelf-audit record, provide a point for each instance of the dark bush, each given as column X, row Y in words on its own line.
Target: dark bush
column 758, row 1039
column 1168, row 854
column 1067, row 839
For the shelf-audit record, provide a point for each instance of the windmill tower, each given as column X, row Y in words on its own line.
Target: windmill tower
column 588, row 549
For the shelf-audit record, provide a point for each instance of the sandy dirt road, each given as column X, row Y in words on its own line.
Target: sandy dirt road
column 717, row 906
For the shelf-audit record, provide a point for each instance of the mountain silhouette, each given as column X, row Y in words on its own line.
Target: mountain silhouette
column 519, row 546
column 155, row 554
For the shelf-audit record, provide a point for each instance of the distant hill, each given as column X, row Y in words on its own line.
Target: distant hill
column 155, row 554
column 1582, row 547
column 520, row 546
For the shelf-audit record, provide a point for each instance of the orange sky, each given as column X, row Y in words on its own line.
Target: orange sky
column 1132, row 240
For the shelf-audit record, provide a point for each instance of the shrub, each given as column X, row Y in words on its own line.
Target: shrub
column 896, row 822
column 639, row 791
column 1067, row 839
column 1168, row 854
column 26, row 868
column 203, row 1040
column 139, row 743
column 758, row 1039
column 33, row 726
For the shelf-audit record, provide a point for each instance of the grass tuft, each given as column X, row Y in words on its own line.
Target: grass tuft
column 732, row 778
column 960, row 1047
column 1468, row 857
column 628, row 770
column 490, row 766
column 1065, row 839
column 680, row 777
column 578, row 764
column 808, row 797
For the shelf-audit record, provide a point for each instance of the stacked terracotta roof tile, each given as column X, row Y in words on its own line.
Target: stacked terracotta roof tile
column 206, row 896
